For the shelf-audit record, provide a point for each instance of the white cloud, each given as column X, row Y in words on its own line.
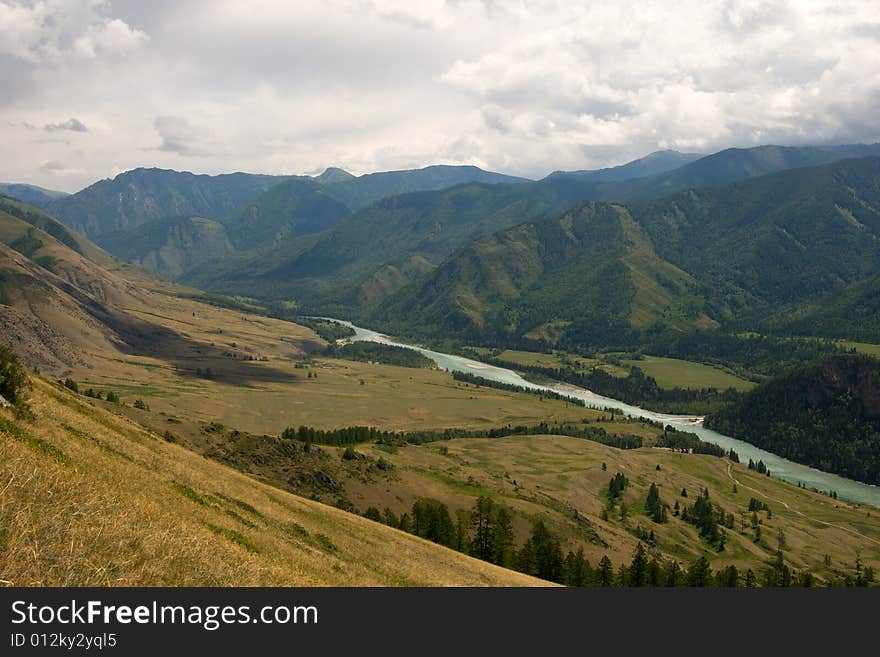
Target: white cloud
column 73, row 124
column 521, row 86
column 56, row 30
column 180, row 136
column 52, row 168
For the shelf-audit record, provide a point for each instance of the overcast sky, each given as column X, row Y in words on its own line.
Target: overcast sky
column 90, row 88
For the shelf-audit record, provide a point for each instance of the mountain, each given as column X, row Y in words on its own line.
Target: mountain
column 383, row 246
column 609, row 273
column 181, row 477
column 292, row 208
column 363, row 190
column 590, row 273
column 653, row 164
column 826, row 415
column 30, row 194
column 56, row 292
column 333, row 175
column 256, row 211
column 386, row 245
column 730, row 166
column 13, row 210
column 141, row 195
column 171, row 246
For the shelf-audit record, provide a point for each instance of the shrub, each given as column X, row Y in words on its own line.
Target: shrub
column 13, row 377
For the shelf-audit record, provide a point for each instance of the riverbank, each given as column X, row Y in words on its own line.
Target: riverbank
column 780, row 468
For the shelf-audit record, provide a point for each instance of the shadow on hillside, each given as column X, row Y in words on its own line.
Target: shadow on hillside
column 191, row 358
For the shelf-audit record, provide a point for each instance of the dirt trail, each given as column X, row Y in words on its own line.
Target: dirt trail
column 803, row 515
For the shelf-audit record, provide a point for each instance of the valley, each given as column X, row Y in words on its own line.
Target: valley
column 573, row 332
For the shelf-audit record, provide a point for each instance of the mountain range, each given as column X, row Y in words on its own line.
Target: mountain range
column 711, row 242
column 356, row 264
column 739, row 257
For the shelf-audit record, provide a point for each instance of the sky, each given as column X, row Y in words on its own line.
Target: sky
column 91, row 88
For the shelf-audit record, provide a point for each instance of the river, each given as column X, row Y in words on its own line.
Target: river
column 849, row 489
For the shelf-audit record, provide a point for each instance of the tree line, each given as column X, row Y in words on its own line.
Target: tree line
column 362, row 434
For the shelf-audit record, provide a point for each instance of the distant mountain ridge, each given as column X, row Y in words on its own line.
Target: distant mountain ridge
column 358, row 192
column 255, row 211
column 730, row 166
column 337, row 241
column 383, row 247
column 30, row 194
column 141, row 195
column 649, row 165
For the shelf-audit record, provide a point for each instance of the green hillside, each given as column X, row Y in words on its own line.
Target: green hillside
column 826, row 415
column 291, row 208
column 168, row 247
column 617, row 275
column 853, row 312
column 382, row 247
column 41, row 220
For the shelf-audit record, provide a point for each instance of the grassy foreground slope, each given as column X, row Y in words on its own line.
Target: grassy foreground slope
column 90, row 498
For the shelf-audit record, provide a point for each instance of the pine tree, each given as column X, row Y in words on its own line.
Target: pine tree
column 502, row 544
column 728, row 577
column 700, row 573
column 482, row 543
column 652, row 504
column 605, row 576
column 673, row 574
column 638, row 569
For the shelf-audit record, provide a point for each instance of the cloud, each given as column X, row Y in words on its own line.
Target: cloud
column 524, row 87
column 57, row 30
column 53, row 168
column 180, row 136
column 641, row 76
column 74, row 125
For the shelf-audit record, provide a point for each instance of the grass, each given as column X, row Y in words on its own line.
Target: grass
column 346, row 393
column 672, row 372
column 668, row 372
column 552, row 477
column 147, row 520
column 863, row 347
column 38, row 444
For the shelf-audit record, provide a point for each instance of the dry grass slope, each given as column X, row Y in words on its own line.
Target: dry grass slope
column 90, row 498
